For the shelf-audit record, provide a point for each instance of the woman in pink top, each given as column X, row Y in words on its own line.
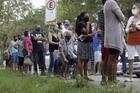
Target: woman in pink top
column 29, row 47
column 27, row 42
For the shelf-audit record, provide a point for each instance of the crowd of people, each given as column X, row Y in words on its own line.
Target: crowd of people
column 100, row 44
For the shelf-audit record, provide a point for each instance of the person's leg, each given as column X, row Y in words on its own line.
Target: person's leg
column 35, row 61
column 7, row 62
column 130, row 68
column 41, row 62
column 98, row 67
column 20, row 64
column 56, row 66
column 14, row 61
column 99, row 59
column 104, row 65
column 85, row 69
column 80, row 67
column 17, row 61
column 51, row 65
column 115, row 66
column 124, row 61
column 109, row 68
column 131, row 53
column 114, row 54
column 92, row 67
column 63, row 68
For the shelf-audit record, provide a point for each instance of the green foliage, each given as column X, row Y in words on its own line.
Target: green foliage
column 70, row 9
column 16, row 16
column 11, row 82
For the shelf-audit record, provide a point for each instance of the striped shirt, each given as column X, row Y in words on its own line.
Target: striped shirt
column 101, row 25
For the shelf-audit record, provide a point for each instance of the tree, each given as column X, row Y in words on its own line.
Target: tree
column 70, row 9
column 11, row 11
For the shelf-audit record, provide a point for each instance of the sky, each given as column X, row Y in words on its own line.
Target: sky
column 38, row 3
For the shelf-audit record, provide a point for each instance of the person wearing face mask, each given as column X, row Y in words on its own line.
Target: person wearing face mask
column 85, row 43
column 14, row 52
column 38, row 37
column 68, row 52
column 133, row 37
column 54, row 41
column 113, row 36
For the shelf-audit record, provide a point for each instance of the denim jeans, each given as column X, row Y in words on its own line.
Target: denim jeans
column 124, row 61
column 51, row 65
column 57, row 66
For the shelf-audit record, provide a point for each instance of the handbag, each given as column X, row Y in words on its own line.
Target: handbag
column 27, row 60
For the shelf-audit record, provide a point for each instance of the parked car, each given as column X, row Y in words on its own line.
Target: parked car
column 136, row 66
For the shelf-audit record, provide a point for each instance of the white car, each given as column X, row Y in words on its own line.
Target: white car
column 136, row 66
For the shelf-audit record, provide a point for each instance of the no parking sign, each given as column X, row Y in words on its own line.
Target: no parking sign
column 50, row 11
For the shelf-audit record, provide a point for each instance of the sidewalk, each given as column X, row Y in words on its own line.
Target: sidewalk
column 135, row 84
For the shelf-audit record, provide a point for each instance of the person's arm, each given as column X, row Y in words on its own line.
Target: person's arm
column 92, row 31
column 43, row 38
column 138, row 25
column 128, row 24
column 63, row 55
column 74, row 49
column 117, row 11
column 50, row 39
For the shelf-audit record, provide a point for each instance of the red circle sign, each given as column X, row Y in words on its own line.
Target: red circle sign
column 51, row 4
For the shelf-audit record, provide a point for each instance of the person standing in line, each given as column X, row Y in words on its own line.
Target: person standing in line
column 53, row 45
column 14, row 52
column 105, row 51
column 7, row 58
column 97, row 51
column 113, row 36
column 29, row 47
column 38, row 37
column 20, row 53
column 85, row 43
column 133, row 37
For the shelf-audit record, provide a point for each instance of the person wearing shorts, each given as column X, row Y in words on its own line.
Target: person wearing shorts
column 97, row 51
column 133, row 41
column 20, row 54
column 15, row 58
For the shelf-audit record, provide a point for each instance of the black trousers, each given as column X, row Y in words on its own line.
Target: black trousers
column 39, row 58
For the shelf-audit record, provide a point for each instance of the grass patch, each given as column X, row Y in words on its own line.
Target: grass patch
column 13, row 82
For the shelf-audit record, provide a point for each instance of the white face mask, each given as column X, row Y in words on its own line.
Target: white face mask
column 135, row 12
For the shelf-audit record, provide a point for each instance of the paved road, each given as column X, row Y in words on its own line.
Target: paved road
column 135, row 84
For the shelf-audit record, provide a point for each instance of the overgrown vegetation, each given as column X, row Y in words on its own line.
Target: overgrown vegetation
column 12, row 82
